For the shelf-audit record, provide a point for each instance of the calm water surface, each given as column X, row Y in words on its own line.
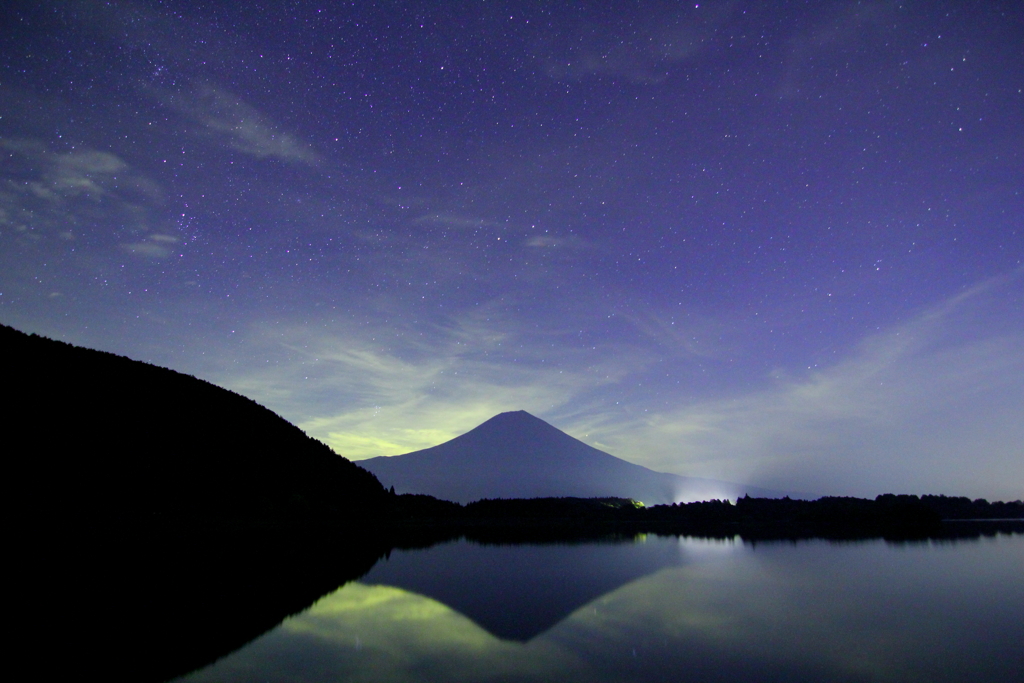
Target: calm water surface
column 661, row 609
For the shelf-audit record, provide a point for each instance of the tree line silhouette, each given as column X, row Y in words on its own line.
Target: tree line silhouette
column 888, row 515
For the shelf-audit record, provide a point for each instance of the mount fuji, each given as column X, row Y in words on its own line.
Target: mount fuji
column 517, row 455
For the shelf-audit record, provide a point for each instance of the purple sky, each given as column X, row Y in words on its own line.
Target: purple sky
column 772, row 243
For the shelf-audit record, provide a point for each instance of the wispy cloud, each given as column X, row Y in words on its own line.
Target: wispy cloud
column 80, row 193
column 642, row 52
column 61, row 176
column 240, row 125
column 365, row 400
column 453, row 220
column 840, row 35
column 924, row 407
column 402, row 387
column 155, row 245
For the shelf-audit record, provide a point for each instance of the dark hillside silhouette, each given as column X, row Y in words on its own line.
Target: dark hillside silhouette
column 162, row 520
column 98, row 439
column 517, row 455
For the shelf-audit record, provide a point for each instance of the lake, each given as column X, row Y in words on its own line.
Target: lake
column 661, row 609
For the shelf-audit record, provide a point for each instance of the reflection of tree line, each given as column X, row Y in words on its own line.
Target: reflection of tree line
column 159, row 522
column 154, row 608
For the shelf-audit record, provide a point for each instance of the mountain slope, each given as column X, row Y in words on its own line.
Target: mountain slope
column 516, row 455
column 100, row 440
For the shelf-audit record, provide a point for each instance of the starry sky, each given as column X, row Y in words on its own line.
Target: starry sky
column 777, row 243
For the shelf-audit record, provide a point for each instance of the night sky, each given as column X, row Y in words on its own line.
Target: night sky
column 778, row 243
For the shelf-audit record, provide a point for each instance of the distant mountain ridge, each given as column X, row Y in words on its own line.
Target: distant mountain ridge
column 517, row 455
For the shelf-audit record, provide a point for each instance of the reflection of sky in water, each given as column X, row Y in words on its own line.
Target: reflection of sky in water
column 544, row 582
column 808, row 611
column 691, row 549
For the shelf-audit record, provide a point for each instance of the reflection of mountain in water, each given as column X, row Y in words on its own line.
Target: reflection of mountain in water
column 518, row 592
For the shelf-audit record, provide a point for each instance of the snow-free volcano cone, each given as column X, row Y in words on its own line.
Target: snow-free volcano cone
column 517, row 455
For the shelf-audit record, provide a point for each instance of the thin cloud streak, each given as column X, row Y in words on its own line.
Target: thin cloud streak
column 643, row 52
column 907, row 412
column 415, row 394
column 82, row 194
column 242, row 127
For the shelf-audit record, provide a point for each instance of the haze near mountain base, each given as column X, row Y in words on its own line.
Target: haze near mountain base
column 517, row 455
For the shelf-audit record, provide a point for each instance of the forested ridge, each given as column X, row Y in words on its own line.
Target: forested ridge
column 99, row 439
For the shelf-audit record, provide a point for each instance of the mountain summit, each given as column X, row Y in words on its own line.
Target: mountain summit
column 517, row 455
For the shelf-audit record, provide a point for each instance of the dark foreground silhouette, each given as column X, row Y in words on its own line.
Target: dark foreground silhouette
column 154, row 608
column 158, row 522
column 95, row 440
